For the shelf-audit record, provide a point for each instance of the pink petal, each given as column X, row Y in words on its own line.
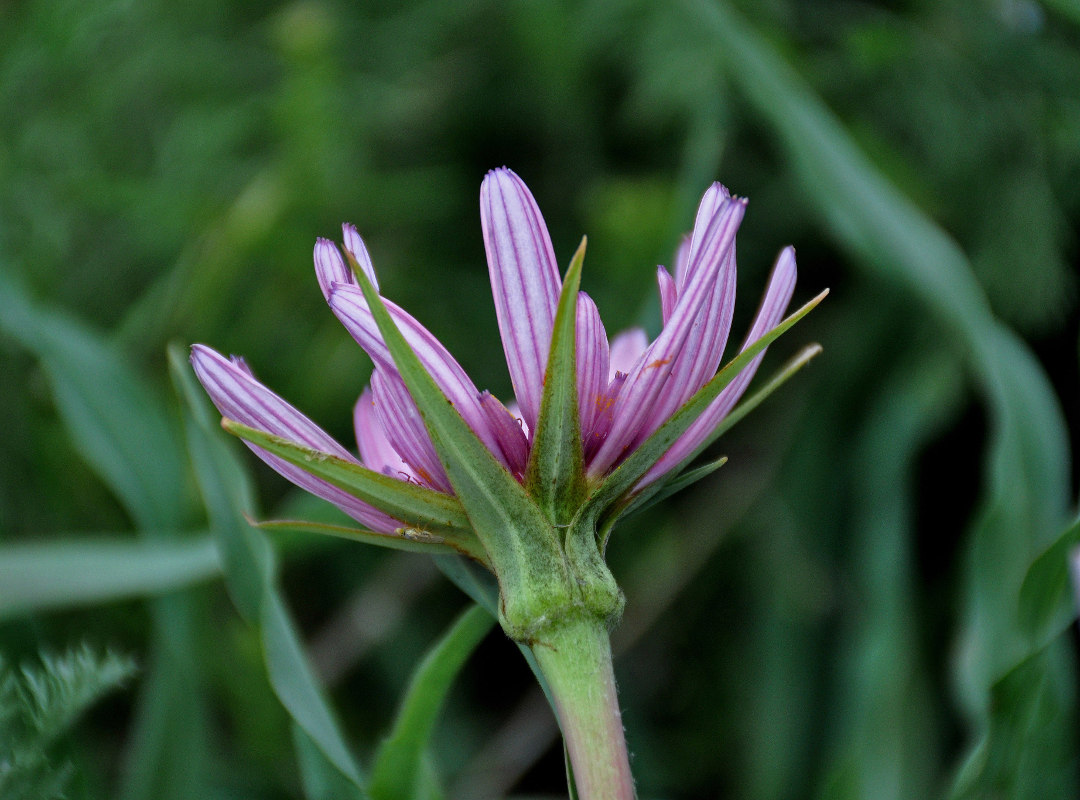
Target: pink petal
column 592, row 362
column 330, row 267
column 240, row 397
column 633, row 412
column 515, row 412
column 398, row 416
column 703, row 350
column 355, row 247
column 602, row 418
column 524, row 281
column 682, row 258
column 711, row 202
column 512, row 441
column 626, row 349
column 668, row 293
column 351, row 308
column 773, row 305
column 376, row 452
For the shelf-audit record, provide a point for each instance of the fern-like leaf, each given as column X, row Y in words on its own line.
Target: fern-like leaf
column 38, row 704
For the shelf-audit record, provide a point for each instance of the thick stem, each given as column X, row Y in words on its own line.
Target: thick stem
column 575, row 657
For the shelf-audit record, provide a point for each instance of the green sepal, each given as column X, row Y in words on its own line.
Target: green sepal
column 782, row 376
column 646, row 499
column 555, row 478
column 413, row 540
column 522, row 546
column 634, row 468
column 414, row 505
column 677, row 479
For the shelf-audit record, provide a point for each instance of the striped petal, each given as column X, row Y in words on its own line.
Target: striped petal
column 703, row 349
column 376, row 452
column 682, row 258
column 668, row 293
column 356, row 248
column 633, row 412
column 524, row 281
column 711, row 202
column 240, row 397
column 773, row 304
column 512, row 441
column 351, row 308
column 399, row 417
column 603, row 418
column 330, row 267
column 592, row 362
column 626, row 349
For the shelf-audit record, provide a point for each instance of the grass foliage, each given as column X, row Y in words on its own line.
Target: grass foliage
column 870, row 600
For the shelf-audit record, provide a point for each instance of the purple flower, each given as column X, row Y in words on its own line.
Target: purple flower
column 627, row 388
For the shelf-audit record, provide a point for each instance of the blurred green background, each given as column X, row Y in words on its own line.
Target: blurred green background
column 848, row 609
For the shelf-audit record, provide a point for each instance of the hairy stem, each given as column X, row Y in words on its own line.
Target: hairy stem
column 575, row 657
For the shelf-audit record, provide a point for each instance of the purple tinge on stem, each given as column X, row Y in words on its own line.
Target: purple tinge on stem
column 626, row 389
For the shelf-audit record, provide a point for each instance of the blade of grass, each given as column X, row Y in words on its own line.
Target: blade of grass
column 1027, row 479
column 48, row 575
column 125, row 434
column 399, row 764
column 251, row 577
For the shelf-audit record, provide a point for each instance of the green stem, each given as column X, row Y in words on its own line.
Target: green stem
column 575, row 657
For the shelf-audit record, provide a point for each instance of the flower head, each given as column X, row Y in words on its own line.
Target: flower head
column 650, row 406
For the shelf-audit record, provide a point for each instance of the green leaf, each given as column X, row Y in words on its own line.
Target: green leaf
column 1030, row 747
column 399, row 763
column 1047, row 602
column 251, row 575
column 556, row 473
column 663, row 491
column 123, row 431
column 320, row 779
column 1027, row 479
column 167, row 754
column 885, row 726
column 294, row 683
column 38, row 576
column 432, row 519
column 521, row 544
column 119, row 426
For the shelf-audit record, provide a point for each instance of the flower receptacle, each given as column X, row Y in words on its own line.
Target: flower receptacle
column 542, row 586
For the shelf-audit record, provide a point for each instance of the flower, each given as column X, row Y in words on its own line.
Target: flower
column 627, row 388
